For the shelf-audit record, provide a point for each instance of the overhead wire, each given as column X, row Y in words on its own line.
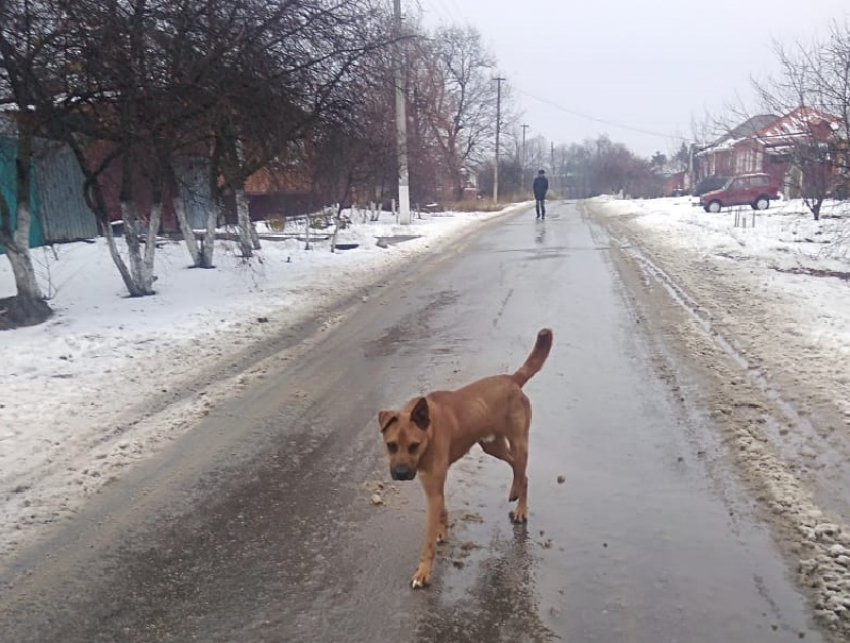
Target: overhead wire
column 604, row 121
column 448, row 12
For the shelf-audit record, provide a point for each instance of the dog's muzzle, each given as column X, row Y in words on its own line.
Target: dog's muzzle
column 402, row 472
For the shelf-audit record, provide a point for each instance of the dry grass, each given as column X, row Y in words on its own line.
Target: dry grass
column 478, row 205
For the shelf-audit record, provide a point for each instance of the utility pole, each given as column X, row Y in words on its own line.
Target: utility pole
column 552, row 163
column 498, row 80
column 401, row 123
column 524, row 156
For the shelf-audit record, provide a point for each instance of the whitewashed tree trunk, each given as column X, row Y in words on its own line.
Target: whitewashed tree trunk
column 18, row 250
column 142, row 280
column 243, row 223
column 209, row 235
column 28, row 306
column 188, row 234
column 26, row 283
column 150, row 244
column 119, row 261
column 29, row 300
column 248, row 238
column 337, row 217
column 252, row 229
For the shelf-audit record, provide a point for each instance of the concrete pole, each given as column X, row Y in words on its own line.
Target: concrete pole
column 498, row 131
column 401, row 124
column 524, row 158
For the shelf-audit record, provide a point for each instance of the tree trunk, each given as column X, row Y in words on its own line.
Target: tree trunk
column 25, row 280
column 186, row 230
column 26, row 283
column 208, row 246
column 255, row 238
column 24, row 309
column 337, row 218
column 138, row 273
column 119, row 261
column 182, row 219
column 28, row 306
column 150, row 243
column 243, row 222
column 248, row 239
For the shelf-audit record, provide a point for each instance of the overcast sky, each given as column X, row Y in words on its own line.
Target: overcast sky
column 650, row 65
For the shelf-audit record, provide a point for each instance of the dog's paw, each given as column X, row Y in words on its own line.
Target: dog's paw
column 422, row 578
column 518, row 517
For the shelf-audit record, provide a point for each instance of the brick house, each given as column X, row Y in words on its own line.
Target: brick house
column 735, row 152
column 805, row 126
column 764, row 144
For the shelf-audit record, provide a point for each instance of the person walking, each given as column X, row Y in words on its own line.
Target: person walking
column 540, row 187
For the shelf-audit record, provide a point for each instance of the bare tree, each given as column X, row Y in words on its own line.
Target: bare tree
column 150, row 81
column 812, row 90
column 456, row 72
column 25, row 33
column 354, row 148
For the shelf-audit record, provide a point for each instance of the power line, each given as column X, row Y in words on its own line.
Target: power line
column 603, row 120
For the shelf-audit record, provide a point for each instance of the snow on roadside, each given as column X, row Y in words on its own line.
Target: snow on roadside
column 69, row 385
column 797, row 268
column 778, row 295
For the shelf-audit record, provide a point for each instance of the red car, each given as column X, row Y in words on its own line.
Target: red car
column 755, row 190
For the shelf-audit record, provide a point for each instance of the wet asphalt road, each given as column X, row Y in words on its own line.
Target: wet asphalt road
column 258, row 525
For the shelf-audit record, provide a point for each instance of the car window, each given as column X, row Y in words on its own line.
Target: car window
column 739, row 184
column 759, row 180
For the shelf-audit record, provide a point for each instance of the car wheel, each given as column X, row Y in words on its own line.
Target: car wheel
column 761, row 203
column 713, row 207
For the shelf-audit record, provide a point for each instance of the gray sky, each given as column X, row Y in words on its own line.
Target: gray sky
column 648, row 65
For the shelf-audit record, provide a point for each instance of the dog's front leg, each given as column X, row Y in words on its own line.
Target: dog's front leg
column 436, row 509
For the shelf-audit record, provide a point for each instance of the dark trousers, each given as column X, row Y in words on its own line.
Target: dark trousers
column 540, row 207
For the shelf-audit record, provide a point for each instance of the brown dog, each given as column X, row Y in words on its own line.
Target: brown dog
column 429, row 433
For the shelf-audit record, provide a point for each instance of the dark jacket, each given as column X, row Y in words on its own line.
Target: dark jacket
column 540, row 186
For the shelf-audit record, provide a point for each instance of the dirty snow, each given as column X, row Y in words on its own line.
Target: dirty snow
column 772, row 290
column 72, row 413
column 72, row 402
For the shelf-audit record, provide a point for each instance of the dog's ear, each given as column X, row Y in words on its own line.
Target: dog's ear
column 385, row 418
column 421, row 414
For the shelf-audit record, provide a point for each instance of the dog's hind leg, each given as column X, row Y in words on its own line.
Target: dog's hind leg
column 519, row 488
column 519, row 453
column 498, row 447
column 501, row 448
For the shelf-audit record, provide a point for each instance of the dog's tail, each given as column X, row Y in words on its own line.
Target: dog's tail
column 535, row 360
